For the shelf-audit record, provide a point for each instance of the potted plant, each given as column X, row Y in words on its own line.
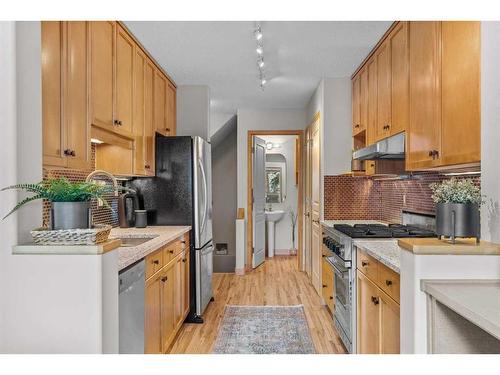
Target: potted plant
column 457, row 208
column 70, row 201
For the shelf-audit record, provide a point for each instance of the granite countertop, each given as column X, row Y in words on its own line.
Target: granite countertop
column 386, row 251
column 331, row 223
column 160, row 236
column 435, row 246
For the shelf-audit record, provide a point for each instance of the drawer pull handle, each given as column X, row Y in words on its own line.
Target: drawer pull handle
column 388, row 282
column 375, row 300
column 156, row 261
column 324, row 286
column 164, row 278
column 331, row 297
column 184, row 261
column 183, row 242
column 171, row 251
column 364, row 263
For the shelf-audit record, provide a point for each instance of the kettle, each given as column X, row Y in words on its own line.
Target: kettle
column 126, row 214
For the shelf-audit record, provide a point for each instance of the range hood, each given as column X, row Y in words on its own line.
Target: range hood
column 387, row 148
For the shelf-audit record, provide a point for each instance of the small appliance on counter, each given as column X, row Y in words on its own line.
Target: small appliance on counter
column 127, row 206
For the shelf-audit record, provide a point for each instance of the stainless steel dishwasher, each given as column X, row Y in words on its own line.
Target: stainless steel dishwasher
column 131, row 309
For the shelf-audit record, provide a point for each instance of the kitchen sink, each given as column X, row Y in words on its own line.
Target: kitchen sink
column 133, row 241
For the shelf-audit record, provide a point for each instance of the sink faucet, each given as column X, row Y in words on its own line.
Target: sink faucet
column 107, row 174
column 269, row 207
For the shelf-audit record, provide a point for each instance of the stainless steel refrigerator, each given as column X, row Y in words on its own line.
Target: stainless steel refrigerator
column 181, row 194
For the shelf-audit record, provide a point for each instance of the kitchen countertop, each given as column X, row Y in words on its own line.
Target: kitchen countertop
column 435, row 246
column 476, row 300
column 160, row 235
column 386, row 251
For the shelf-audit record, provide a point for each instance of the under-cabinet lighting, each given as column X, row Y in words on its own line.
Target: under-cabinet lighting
column 96, row 141
column 462, row 173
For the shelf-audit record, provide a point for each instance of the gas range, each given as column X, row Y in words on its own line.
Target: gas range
column 383, row 231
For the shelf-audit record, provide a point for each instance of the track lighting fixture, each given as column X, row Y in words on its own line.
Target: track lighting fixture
column 260, row 55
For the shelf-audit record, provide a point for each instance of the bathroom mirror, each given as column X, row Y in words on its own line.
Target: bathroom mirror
column 273, row 185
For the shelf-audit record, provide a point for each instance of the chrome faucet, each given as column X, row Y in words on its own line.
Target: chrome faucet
column 269, row 207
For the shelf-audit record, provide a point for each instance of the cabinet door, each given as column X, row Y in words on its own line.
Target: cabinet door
column 149, row 127
column 167, row 280
column 371, row 131
column 424, row 136
column 102, row 46
column 178, row 291
column 327, row 279
column 138, row 123
column 368, row 331
column 461, row 88
column 356, row 88
column 363, row 99
column 52, row 63
column 152, row 316
column 383, row 91
column 400, row 78
column 124, row 80
column 171, row 110
column 185, row 302
column 389, row 325
column 76, row 95
column 160, row 91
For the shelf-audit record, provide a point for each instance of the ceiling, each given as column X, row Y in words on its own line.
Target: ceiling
column 222, row 55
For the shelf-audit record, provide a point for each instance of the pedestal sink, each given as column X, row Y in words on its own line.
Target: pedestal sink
column 272, row 217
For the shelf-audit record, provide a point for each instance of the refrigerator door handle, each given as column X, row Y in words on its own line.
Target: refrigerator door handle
column 205, row 195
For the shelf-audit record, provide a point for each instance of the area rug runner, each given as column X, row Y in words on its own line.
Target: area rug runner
column 264, row 330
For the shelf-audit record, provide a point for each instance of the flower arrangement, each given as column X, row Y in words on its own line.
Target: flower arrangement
column 456, row 191
column 63, row 190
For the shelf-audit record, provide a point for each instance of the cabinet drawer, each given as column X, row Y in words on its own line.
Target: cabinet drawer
column 154, row 262
column 367, row 264
column 388, row 281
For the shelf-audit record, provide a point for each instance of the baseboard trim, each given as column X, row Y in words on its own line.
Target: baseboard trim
column 239, row 271
column 284, row 252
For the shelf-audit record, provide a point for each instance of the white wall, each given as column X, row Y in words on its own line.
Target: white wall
column 490, row 129
column 250, row 119
column 218, row 120
column 193, row 111
column 283, row 228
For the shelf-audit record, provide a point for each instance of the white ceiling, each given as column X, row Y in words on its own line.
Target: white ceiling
column 222, row 55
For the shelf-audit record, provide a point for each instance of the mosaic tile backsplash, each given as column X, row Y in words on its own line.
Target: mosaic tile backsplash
column 349, row 197
column 100, row 215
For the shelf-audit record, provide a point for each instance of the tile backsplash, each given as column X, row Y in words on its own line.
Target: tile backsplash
column 100, row 215
column 349, row 197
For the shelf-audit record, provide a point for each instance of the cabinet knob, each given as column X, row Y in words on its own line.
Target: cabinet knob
column 156, row 261
column 165, row 278
column 167, row 129
column 73, row 153
column 184, row 260
column 67, row 152
column 147, row 166
column 331, row 297
column 375, row 300
column 324, row 286
column 171, row 251
column 431, row 153
column 356, row 126
column 364, row 263
column 388, row 282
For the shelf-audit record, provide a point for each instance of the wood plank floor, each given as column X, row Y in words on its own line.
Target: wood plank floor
column 276, row 282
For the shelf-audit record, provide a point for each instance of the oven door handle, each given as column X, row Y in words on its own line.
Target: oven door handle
column 338, row 271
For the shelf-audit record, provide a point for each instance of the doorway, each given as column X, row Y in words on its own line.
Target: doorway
column 271, row 186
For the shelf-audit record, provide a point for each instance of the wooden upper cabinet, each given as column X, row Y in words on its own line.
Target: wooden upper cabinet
column 461, row 90
column 171, row 110
column 371, row 130
column 356, row 91
column 138, row 123
column 149, row 128
column 124, row 80
column 160, row 91
column 363, row 99
column 52, row 63
column 424, row 132
column 400, row 78
column 383, row 56
column 102, row 49
column 76, row 94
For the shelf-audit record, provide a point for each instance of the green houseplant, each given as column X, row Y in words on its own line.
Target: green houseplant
column 457, row 208
column 70, row 200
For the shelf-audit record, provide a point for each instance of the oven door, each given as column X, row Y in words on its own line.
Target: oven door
column 343, row 297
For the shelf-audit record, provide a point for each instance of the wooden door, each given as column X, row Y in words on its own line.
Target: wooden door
column 76, row 95
column 139, row 115
column 171, row 110
column 316, row 236
column 363, row 99
column 52, row 63
column 368, row 316
column 149, row 127
column 356, row 90
column 153, row 315
column 308, row 205
column 124, row 80
column 424, row 135
column 389, row 325
column 383, row 91
column 461, row 90
column 167, row 281
column 160, row 91
column 400, row 78
column 178, row 291
column 371, row 131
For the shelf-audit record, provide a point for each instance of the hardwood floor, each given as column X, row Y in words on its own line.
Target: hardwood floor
column 276, row 282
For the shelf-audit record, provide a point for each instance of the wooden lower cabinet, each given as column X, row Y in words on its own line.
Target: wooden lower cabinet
column 327, row 291
column 166, row 302
column 378, row 329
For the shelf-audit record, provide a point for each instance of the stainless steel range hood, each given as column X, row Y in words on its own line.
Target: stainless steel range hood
column 387, row 148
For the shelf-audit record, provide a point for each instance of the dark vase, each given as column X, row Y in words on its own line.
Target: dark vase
column 458, row 220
